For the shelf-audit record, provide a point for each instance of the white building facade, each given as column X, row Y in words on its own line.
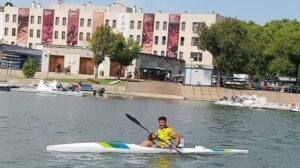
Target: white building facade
column 62, row 31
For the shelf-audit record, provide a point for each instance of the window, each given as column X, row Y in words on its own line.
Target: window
column 138, row 38
column 196, row 25
column 56, row 20
column 56, row 35
column 162, row 53
column 6, row 31
column 196, row 56
column 114, row 24
column 88, row 36
column 31, row 19
column 132, row 24
column 13, row 32
column 181, row 55
column 139, row 25
column 81, row 22
column 165, row 24
column 64, row 22
column 14, row 18
column 106, row 23
column 7, row 18
column 155, row 52
column 80, row 36
column 183, row 26
column 30, row 45
column 31, row 33
column 195, row 41
column 157, row 26
column 63, row 35
column 89, row 23
column 156, row 40
column 163, row 42
column 182, row 41
column 38, row 33
column 39, row 19
column 131, row 37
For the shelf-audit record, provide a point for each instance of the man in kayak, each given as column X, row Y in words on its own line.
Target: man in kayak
column 163, row 135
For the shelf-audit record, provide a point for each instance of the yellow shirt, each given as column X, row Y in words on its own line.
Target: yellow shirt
column 165, row 135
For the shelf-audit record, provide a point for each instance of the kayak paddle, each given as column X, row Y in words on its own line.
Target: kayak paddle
column 139, row 124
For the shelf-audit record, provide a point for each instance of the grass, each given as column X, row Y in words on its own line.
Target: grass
column 85, row 81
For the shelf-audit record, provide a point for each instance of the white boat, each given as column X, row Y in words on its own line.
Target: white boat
column 118, row 147
column 295, row 108
column 253, row 101
column 114, row 82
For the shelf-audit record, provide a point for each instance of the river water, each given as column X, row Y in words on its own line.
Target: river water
column 30, row 122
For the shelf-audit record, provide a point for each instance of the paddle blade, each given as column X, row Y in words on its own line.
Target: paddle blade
column 133, row 119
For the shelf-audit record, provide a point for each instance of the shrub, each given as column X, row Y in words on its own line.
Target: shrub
column 29, row 68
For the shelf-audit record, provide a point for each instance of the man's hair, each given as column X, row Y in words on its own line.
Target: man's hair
column 162, row 118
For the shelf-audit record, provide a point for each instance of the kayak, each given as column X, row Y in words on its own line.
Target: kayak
column 118, row 147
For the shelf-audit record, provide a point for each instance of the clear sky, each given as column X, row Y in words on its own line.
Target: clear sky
column 260, row 11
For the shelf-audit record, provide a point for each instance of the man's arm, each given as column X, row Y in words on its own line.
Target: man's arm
column 177, row 139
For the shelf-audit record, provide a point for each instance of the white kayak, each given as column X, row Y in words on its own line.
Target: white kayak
column 117, row 147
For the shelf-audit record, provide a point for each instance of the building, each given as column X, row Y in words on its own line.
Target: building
column 62, row 32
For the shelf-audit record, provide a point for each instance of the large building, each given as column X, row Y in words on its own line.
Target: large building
column 62, row 32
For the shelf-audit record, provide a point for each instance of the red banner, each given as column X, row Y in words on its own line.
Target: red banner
column 147, row 38
column 98, row 20
column 72, row 35
column 173, row 35
column 23, row 20
column 48, row 19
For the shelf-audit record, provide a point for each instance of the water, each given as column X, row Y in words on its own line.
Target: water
column 30, row 122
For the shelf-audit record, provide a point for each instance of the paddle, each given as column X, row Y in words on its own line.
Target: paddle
column 139, row 124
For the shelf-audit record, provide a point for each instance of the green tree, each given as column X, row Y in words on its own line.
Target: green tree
column 9, row 4
column 102, row 45
column 29, row 68
column 224, row 41
column 125, row 51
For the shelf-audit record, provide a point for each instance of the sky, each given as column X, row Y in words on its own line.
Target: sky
column 259, row 11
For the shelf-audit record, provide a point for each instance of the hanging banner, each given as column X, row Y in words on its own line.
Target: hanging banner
column 173, row 35
column 47, row 31
column 147, row 38
column 22, row 33
column 122, row 24
column 72, row 35
column 98, row 20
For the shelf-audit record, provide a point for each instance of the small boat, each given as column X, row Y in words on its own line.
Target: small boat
column 295, row 108
column 118, row 147
column 252, row 101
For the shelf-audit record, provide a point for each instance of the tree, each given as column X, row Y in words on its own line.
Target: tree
column 125, row 51
column 102, row 42
column 9, row 4
column 29, row 68
column 224, row 41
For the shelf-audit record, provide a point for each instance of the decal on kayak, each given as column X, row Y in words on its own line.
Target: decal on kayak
column 221, row 150
column 113, row 145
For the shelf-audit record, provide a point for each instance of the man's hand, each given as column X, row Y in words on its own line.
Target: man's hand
column 173, row 147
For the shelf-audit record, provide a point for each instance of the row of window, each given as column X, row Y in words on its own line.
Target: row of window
column 13, row 32
column 63, row 35
column 32, row 19
column 194, row 41
column 195, row 56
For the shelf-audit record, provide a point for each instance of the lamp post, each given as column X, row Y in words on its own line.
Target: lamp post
column 192, row 59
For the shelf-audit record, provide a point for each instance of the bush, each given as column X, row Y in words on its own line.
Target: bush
column 29, row 68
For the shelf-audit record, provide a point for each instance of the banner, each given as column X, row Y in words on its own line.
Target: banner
column 22, row 33
column 47, row 31
column 122, row 24
column 147, row 38
column 173, row 35
column 98, row 20
column 72, row 34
